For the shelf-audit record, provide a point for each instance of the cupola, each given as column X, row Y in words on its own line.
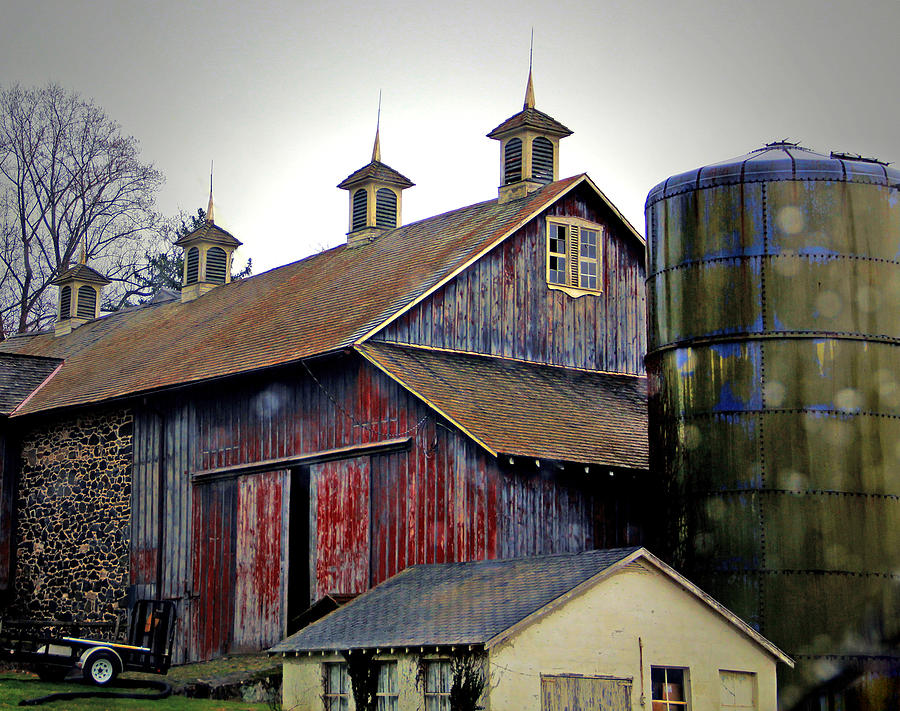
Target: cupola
column 207, row 256
column 80, row 289
column 375, row 198
column 529, row 149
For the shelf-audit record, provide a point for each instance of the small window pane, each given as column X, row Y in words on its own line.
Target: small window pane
column 667, row 688
column 437, row 686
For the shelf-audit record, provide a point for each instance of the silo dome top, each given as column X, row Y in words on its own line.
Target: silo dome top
column 779, row 161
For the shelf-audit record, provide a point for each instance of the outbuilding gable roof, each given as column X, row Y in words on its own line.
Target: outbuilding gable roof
column 484, row 603
column 452, row 603
column 527, row 409
column 320, row 304
column 19, row 376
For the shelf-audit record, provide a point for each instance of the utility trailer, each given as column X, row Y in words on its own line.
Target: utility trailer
column 149, row 648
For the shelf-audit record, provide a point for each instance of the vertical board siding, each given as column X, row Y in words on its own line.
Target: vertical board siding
column 341, row 491
column 504, row 307
column 224, row 542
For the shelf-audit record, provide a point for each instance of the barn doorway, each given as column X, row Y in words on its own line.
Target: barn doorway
column 299, row 593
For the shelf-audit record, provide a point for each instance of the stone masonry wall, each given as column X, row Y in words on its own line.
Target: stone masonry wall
column 73, row 506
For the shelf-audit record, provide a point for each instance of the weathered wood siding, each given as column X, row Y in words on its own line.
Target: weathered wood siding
column 502, row 305
column 224, row 541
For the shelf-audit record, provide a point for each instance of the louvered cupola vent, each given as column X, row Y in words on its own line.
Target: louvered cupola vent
column 375, row 198
column 529, row 150
column 360, row 207
column 192, row 271
column 386, row 208
column 80, row 289
column 87, row 302
column 207, row 257
column 65, row 302
column 542, row 159
column 512, row 161
column 216, row 265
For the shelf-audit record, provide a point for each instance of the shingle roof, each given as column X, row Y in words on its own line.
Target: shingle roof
column 376, row 170
column 320, row 304
column 527, row 409
column 82, row 272
column 209, row 232
column 451, row 604
column 19, row 376
column 532, row 118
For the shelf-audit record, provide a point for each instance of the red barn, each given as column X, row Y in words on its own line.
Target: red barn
column 464, row 387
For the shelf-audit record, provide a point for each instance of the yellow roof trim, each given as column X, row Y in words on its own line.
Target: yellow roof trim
column 361, row 349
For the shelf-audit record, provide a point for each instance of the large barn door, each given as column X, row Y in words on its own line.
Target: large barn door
column 585, row 693
column 259, row 555
column 340, row 493
column 213, row 564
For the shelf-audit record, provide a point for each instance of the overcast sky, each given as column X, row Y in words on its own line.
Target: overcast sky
column 283, row 95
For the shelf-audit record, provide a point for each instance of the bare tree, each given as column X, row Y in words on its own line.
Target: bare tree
column 69, row 180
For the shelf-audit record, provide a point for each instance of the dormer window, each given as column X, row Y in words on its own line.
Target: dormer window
column 360, row 209
column 192, row 273
column 386, row 208
column 574, row 255
column 65, row 302
column 512, row 161
column 87, row 302
column 216, row 265
column 542, row 159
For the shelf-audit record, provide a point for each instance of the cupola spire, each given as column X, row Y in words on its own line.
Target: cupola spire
column 529, row 147
column 374, row 195
column 529, row 90
column 376, row 148
column 209, row 209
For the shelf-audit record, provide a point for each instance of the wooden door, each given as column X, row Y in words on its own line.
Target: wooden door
column 569, row 692
column 340, row 492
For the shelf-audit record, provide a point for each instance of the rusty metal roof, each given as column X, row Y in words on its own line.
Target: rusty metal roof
column 323, row 303
column 531, row 118
column 19, row 376
column 376, row 170
column 527, row 409
column 452, row 603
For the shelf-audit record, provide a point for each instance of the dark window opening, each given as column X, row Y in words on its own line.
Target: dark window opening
column 298, row 585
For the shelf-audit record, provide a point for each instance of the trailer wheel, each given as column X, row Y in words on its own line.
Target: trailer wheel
column 49, row 673
column 101, row 668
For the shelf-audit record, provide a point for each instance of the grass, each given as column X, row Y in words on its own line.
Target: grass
column 16, row 686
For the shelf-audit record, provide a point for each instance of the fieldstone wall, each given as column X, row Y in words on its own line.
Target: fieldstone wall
column 73, row 505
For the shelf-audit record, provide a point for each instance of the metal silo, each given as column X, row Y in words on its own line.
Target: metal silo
column 774, row 365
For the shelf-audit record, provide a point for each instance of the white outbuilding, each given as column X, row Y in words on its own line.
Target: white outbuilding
column 607, row 629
